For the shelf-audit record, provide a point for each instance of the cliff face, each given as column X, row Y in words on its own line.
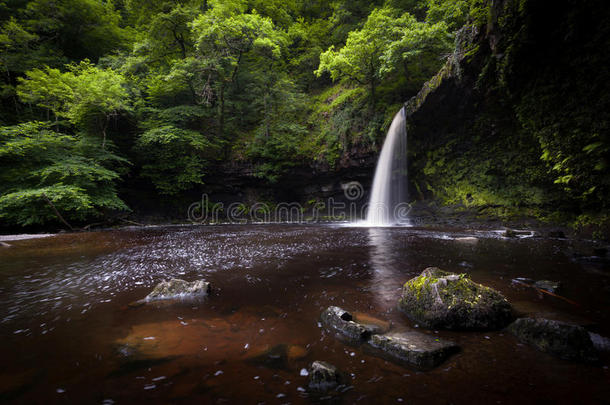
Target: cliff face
column 517, row 119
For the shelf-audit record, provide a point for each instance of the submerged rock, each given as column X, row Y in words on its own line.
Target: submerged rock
column 441, row 300
column 601, row 343
column 414, row 349
column 561, row 339
column 547, row 285
column 277, row 357
column 339, row 320
column 375, row 325
column 177, row 288
column 323, row 376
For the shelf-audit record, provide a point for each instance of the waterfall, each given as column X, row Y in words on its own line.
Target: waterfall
column 388, row 204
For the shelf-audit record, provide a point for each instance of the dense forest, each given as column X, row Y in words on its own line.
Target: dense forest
column 112, row 107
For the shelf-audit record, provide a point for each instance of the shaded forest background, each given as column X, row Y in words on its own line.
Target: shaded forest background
column 112, row 107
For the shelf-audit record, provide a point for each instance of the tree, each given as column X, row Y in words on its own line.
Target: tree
column 174, row 159
column 46, row 172
column 225, row 36
column 78, row 29
column 386, row 40
column 86, row 95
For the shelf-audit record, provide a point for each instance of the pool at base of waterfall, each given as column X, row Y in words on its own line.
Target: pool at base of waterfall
column 69, row 333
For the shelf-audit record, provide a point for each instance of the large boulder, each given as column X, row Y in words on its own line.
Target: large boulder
column 441, row 300
column 564, row 340
column 414, row 349
column 323, row 377
column 177, row 288
column 341, row 322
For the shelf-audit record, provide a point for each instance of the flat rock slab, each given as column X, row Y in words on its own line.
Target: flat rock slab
column 341, row 322
column 414, row 349
column 564, row 340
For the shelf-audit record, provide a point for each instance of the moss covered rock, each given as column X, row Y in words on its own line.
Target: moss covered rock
column 561, row 339
column 441, row 300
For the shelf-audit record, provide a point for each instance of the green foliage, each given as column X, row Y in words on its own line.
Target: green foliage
column 40, row 164
column 80, row 28
column 182, row 88
column 88, row 96
column 174, row 159
column 387, row 40
column 454, row 13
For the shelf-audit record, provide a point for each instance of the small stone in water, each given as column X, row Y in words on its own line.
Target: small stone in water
column 60, row 390
column 246, row 346
column 150, row 387
column 159, row 378
column 300, row 389
column 219, row 372
column 304, row 372
column 280, row 395
column 149, row 338
column 256, row 377
column 352, row 354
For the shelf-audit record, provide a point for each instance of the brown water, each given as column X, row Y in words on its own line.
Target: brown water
column 69, row 336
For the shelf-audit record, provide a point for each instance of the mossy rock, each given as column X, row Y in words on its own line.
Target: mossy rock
column 564, row 340
column 441, row 300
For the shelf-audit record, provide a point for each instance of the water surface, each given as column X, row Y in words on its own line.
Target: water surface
column 68, row 334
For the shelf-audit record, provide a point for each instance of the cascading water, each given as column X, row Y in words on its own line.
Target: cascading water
column 388, row 204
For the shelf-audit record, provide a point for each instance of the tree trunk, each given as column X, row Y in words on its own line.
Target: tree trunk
column 57, row 212
column 221, row 113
